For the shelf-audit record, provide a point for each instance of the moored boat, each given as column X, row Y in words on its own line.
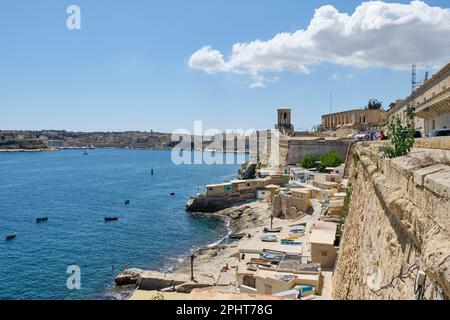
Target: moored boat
column 269, row 238
column 41, row 219
column 10, row 236
column 109, row 219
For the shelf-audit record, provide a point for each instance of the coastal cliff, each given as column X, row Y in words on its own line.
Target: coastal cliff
column 9, row 145
column 396, row 237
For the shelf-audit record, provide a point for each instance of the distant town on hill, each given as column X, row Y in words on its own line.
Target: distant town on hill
column 13, row 139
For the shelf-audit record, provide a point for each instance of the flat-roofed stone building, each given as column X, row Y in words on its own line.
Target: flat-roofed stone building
column 358, row 119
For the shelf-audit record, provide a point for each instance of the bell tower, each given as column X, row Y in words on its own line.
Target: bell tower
column 284, row 121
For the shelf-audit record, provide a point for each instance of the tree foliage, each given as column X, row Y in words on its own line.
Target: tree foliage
column 331, row 159
column 374, row 104
column 402, row 137
column 309, row 161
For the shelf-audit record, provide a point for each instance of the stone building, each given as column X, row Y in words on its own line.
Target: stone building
column 276, row 150
column 322, row 241
column 292, row 202
column 284, row 123
column 358, row 119
column 430, row 103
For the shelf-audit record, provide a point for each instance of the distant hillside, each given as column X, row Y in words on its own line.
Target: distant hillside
column 61, row 138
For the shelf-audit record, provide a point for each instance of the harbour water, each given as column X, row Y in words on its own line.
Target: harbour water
column 76, row 192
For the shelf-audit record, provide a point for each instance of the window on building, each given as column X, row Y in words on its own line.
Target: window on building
column 249, row 281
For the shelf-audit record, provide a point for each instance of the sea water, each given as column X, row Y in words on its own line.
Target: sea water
column 76, row 192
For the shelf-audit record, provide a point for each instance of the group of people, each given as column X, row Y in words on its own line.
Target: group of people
column 372, row 136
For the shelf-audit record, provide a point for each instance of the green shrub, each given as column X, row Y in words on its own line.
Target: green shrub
column 402, row 137
column 345, row 209
column 309, row 161
column 355, row 157
column 331, row 159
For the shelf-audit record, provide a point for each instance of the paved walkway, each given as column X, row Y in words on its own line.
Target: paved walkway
column 327, row 284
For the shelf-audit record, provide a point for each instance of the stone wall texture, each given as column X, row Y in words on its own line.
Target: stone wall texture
column 398, row 224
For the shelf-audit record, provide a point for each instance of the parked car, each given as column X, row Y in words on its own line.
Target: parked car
column 417, row 134
column 440, row 133
column 359, row 137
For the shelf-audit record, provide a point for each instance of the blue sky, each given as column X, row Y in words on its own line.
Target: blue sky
column 128, row 67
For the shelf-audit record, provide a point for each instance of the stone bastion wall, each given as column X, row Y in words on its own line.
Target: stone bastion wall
column 397, row 227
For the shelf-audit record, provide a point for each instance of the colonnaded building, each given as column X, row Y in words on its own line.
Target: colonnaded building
column 430, row 103
column 358, row 119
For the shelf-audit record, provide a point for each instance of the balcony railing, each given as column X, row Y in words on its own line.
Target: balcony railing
column 437, row 98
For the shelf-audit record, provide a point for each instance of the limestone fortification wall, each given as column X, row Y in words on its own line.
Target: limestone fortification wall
column 398, row 224
column 283, row 150
column 298, row 148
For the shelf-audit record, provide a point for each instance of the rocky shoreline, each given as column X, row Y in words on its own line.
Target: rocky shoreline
column 240, row 218
column 29, row 150
column 209, row 260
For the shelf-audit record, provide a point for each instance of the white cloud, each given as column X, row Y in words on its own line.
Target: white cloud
column 208, row 60
column 260, row 81
column 377, row 34
column 350, row 76
column 335, row 77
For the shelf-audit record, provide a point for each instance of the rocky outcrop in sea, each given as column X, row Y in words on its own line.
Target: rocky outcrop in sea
column 247, row 171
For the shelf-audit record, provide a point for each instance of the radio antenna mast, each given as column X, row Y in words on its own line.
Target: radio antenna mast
column 331, row 107
column 414, row 78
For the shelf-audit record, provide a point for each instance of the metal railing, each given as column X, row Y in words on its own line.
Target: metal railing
column 435, row 99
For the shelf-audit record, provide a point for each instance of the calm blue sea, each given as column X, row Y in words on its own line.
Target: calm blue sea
column 76, row 192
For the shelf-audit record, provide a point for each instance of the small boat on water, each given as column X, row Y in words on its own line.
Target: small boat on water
column 10, row 236
column 85, row 153
column 41, row 219
column 269, row 238
column 109, row 219
column 127, row 202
